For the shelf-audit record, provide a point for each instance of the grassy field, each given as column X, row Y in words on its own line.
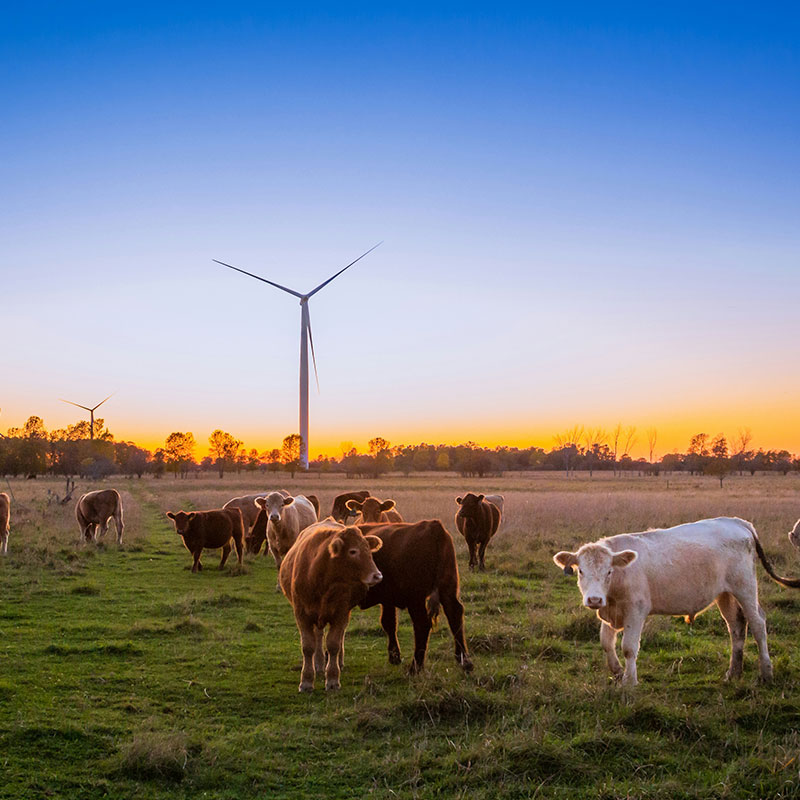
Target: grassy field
column 124, row 675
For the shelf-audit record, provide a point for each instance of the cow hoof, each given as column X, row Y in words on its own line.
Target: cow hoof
column 332, row 687
column 466, row 665
column 730, row 675
column 306, row 687
column 766, row 675
column 394, row 658
column 414, row 668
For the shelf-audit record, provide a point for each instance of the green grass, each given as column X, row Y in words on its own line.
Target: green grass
column 124, row 675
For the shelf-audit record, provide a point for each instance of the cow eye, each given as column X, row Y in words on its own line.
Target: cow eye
column 353, row 551
column 610, row 571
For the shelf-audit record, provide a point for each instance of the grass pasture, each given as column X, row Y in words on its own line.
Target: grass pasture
column 123, row 675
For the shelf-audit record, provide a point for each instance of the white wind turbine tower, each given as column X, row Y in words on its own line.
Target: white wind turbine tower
column 305, row 338
column 90, row 410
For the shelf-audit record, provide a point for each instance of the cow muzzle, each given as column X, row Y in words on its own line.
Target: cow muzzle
column 375, row 578
column 274, row 518
column 594, row 602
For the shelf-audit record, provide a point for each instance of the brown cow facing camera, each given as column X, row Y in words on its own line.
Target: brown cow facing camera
column 210, row 529
column 373, row 510
column 477, row 521
column 324, row 575
column 95, row 509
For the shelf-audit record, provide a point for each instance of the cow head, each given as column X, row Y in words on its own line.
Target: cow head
column 182, row 520
column 794, row 534
column 273, row 504
column 351, row 554
column 596, row 565
column 371, row 508
column 470, row 505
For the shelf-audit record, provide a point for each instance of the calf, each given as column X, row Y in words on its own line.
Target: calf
column 477, row 521
column 373, row 510
column 286, row 518
column 678, row 571
column 340, row 512
column 323, row 576
column 210, row 529
column 420, row 573
column 5, row 521
column 93, row 511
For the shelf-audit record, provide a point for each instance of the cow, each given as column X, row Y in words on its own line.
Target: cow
column 254, row 540
column 373, row 510
column 286, row 517
column 677, row 571
column 340, row 512
column 5, row 521
column 93, row 511
column 498, row 500
column 420, row 573
column 247, row 505
column 314, row 500
column 210, row 529
column 477, row 521
column 323, row 576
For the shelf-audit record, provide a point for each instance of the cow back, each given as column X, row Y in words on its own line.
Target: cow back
column 214, row 528
column 99, row 505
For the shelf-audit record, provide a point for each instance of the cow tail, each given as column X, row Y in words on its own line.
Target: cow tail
column 434, row 607
column 792, row 583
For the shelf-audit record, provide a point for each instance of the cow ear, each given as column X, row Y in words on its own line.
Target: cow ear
column 374, row 542
column 287, row 501
column 387, row 505
column 353, row 505
column 566, row 561
column 480, row 497
column 170, row 514
column 335, row 546
column 191, row 515
column 261, row 502
column 623, row 558
column 459, row 500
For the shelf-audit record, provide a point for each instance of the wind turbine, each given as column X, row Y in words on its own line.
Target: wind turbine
column 305, row 338
column 90, row 410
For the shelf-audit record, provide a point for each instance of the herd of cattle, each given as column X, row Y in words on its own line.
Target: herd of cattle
column 328, row 567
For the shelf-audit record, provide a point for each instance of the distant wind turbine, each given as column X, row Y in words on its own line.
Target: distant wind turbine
column 305, row 338
column 90, row 410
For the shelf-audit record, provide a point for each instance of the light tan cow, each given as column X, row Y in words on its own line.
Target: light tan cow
column 373, row 510
column 247, row 505
column 94, row 510
column 286, row 518
column 498, row 500
column 676, row 571
column 5, row 521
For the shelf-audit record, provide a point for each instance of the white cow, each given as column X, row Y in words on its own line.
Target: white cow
column 496, row 499
column 678, row 571
column 286, row 518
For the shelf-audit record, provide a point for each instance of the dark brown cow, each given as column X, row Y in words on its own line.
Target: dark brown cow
column 210, row 529
column 420, row 573
column 314, row 500
column 324, row 575
column 5, row 521
column 373, row 510
column 254, row 540
column 477, row 521
column 94, row 510
column 340, row 512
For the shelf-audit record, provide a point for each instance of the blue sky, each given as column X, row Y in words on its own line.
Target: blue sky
column 589, row 214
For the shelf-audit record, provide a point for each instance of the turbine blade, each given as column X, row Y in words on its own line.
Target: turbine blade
column 259, row 278
column 311, row 340
column 103, row 401
column 78, row 405
column 323, row 285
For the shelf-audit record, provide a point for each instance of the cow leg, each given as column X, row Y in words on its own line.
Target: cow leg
column 319, row 653
column 473, row 559
column 196, row 565
column 422, row 629
column 757, row 620
column 631, row 637
column 481, row 554
column 4, row 541
column 119, row 525
column 334, row 644
column 239, row 544
column 103, row 528
column 226, row 551
column 737, row 628
column 454, row 611
column 389, row 625
column 608, row 639
column 308, row 642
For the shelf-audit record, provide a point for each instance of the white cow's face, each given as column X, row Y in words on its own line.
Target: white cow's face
column 595, row 564
column 274, row 504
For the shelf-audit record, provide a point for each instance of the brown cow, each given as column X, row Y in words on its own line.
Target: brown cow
column 340, row 512
column 477, row 521
column 420, row 573
column 373, row 510
column 210, row 529
column 95, row 509
column 324, row 575
column 314, row 500
column 247, row 505
column 5, row 523
column 254, row 540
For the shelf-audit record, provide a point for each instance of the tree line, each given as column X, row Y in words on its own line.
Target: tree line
column 32, row 450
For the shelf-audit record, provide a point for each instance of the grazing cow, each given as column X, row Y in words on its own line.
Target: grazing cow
column 210, row 529
column 373, row 510
column 477, row 521
column 678, row 571
column 420, row 573
column 93, row 511
column 323, row 576
column 340, row 512
column 247, row 505
column 5, row 524
column 498, row 500
column 286, row 517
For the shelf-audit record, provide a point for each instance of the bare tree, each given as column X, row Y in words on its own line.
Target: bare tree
column 569, row 441
column 652, row 438
column 616, row 435
column 593, row 439
column 741, row 452
column 630, row 439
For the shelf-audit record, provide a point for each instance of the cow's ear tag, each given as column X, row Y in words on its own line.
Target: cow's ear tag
column 568, row 570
